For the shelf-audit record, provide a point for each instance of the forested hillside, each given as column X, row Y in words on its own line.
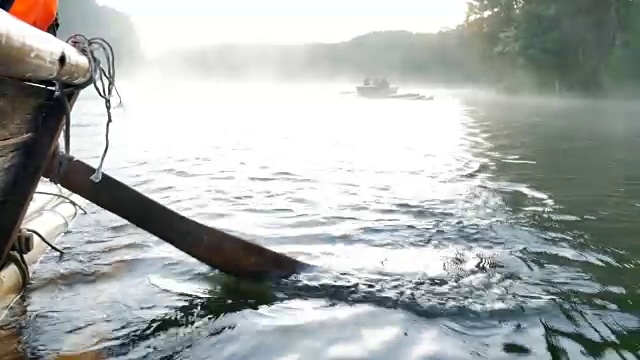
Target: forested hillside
column 584, row 46
column 574, row 45
column 90, row 19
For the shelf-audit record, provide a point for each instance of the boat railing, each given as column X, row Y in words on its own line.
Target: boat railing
column 27, row 53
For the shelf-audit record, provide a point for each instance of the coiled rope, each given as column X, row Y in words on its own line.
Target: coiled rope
column 103, row 79
column 103, row 76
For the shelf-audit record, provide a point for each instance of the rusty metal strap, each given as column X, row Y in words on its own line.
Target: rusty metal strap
column 58, row 166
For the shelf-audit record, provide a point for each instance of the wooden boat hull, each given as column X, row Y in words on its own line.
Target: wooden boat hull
column 27, row 135
column 31, row 116
column 376, row 91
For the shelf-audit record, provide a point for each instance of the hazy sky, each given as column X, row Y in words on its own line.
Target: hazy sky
column 191, row 22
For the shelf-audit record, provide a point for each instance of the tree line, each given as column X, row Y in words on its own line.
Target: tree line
column 582, row 46
column 399, row 55
column 88, row 18
column 572, row 45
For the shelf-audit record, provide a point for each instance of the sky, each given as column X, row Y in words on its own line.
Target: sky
column 199, row 22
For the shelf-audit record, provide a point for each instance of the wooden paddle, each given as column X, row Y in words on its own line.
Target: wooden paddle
column 223, row 251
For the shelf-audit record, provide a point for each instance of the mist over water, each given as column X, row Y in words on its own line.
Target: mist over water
column 399, row 203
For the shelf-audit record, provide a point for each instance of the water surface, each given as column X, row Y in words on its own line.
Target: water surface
column 395, row 200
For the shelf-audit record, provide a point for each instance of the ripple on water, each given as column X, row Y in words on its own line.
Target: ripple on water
column 396, row 217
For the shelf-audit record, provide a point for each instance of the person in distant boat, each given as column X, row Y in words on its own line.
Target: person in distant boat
column 41, row 14
column 384, row 83
column 367, row 82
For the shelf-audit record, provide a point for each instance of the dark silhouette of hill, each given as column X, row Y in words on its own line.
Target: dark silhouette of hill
column 92, row 20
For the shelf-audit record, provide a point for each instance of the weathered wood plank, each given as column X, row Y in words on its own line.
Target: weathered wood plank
column 8, row 169
column 10, row 160
column 30, row 54
column 16, row 140
column 23, row 168
column 20, row 105
column 18, row 101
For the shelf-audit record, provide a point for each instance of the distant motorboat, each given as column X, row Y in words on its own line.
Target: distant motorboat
column 379, row 88
column 374, row 91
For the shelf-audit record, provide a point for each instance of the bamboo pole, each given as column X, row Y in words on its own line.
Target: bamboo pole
column 26, row 53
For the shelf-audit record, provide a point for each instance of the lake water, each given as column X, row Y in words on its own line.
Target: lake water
column 395, row 200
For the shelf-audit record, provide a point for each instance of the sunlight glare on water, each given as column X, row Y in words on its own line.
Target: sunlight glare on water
column 407, row 207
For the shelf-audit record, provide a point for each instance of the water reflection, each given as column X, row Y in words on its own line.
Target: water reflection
column 229, row 296
column 587, row 155
column 384, row 196
column 291, row 329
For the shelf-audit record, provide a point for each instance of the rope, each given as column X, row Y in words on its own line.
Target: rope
column 103, row 80
column 63, row 197
column 59, row 163
column 36, row 233
column 60, row 93
column 20, row 262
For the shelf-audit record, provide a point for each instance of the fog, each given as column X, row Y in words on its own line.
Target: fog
column 409, row 42
column 281, row 40
column 399, row 55
column 162, row 25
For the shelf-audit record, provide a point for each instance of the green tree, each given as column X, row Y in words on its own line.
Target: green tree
column 92, row 20
column 563, row 43
column 623, row 66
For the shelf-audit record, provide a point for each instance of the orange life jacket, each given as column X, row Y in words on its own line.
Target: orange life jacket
column 38, row 13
